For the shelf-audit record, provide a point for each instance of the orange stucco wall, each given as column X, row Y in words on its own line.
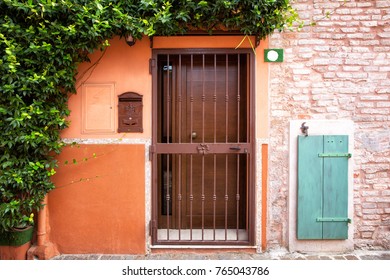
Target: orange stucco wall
column 99, row 204
column 128, row 68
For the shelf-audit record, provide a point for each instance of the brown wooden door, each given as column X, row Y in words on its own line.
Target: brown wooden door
column 211, row 191
column 203, row 148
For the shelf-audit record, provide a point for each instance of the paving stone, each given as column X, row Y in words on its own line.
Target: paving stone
column 111, row 257
column 93, row 257
column 132, row 257
column 364, row 255
column 287, row 258
column 351, row 257
column 375, row 257
column 75, row 257
column 263, row 256
column 312, row 257
column 370, row 257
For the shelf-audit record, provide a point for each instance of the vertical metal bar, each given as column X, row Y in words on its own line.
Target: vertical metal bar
column 249, row 99
column 238, row 98
column 191, row 96
column 179, row 120
column 168, row 134
column 203, row 196
column 168, row 197
column 191, row 129
column 215, row 141
column 191, row 197
column 214, row 195
column 226, row 193
column 180, row 98
column 203, row 95
column 168, row 99
column 227, row 100
column 203, row 138
column 248, row 182
column 179, row 196
column 215, row 98
column 238, row 141
column 226, row 141
column 238, row 197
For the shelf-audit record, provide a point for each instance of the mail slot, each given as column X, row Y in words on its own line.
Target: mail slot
column 130, row 112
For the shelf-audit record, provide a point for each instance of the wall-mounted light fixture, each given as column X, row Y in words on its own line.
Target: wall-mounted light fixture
column 130, row 40
column 273, row 55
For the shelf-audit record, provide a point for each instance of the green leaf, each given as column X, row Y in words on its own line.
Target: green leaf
column 99, row 6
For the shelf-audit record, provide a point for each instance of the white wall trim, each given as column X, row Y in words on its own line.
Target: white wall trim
column 107, row 141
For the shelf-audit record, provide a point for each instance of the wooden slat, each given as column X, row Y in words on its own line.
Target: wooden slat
column 335, row 187
column 309, row 202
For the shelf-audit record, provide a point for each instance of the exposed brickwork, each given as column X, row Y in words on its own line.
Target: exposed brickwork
column 337, row 69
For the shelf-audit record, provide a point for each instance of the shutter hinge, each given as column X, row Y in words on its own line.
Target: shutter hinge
column 152, row 64
column 152, row 150
column 348, row 155
column 348, row 220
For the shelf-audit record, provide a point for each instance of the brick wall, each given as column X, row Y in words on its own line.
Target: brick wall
column 337, row 69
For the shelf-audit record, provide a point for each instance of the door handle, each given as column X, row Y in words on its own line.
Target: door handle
column 235, row 148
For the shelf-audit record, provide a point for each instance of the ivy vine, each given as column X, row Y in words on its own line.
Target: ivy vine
column 41, row 44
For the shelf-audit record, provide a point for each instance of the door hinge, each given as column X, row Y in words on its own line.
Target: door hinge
column 152, row 150
column 348, row 220
column 348, row 155
column 152, row 64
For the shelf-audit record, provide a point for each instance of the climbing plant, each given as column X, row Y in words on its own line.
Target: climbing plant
column 41, row 44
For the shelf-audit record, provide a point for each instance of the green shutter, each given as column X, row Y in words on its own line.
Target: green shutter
column 322, row 207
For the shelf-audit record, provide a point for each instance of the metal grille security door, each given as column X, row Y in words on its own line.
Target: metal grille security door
column 202, row 147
